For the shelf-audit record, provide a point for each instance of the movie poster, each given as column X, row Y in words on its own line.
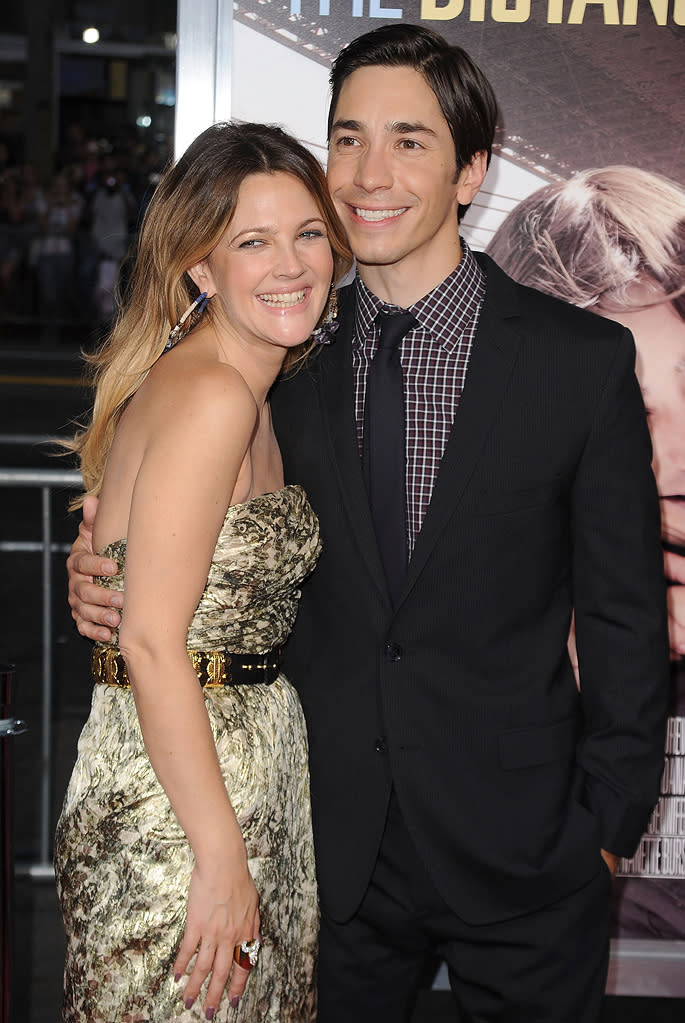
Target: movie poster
column 583, row 86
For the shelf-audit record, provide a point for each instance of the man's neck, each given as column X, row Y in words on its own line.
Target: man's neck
column 402, row 285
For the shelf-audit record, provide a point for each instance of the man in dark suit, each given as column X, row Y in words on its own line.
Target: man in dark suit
column 468, row 799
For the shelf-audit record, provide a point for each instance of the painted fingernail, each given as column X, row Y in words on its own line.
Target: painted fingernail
column 234, row 1002
column 177, row 977
column 209, row 1013
column 189, row 1003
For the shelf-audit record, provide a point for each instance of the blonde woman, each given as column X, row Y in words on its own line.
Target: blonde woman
column 185, row 839
column 613, row 240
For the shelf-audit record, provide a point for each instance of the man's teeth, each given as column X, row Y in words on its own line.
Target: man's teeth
column 284, row 300
column 378, row 214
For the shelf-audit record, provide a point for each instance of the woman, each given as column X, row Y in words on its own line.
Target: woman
column 185, row 832
column 613, row 240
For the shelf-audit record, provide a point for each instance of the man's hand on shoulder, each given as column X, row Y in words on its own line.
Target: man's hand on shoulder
column 94, row 608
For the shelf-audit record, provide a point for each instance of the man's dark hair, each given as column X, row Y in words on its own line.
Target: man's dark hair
column 465, row 95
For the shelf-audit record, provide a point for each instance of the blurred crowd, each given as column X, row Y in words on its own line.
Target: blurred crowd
column 62, row 243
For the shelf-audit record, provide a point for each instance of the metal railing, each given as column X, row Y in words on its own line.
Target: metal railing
column 44, row 480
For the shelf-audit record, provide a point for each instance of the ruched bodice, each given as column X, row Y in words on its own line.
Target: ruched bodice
column 266, row 547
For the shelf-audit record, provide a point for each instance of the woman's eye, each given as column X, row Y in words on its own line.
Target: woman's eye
column 312, row 233
column 251, row 243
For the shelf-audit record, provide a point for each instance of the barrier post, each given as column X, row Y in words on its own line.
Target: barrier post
column 9, row 727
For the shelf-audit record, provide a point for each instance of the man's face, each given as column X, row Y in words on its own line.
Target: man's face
column 392, row 176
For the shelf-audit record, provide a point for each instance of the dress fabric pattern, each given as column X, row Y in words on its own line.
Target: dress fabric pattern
column 123, row 863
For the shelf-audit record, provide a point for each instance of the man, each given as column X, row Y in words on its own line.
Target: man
column 468, row 800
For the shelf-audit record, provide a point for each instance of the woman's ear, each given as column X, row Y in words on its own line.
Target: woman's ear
column 201, row 276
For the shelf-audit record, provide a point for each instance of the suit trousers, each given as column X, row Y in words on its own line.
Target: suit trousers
column 548, row 966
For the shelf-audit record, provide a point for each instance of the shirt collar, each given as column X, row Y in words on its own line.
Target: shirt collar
column 459, row 294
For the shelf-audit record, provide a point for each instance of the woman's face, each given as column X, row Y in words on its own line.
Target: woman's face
column 659, row 334
column 271, row 271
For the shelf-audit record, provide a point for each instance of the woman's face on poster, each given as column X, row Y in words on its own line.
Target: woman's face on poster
column 659, row 334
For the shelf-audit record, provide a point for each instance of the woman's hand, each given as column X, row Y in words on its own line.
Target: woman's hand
column 222, row 912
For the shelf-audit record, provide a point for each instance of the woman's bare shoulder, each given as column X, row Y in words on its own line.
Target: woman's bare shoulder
column 197, row 391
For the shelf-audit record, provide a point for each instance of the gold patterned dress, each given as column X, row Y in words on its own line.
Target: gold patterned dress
column 122, row 861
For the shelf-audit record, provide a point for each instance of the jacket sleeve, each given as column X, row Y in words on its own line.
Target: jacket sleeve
column 620, row 607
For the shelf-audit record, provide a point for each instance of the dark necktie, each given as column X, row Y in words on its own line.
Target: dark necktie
column 384, row 463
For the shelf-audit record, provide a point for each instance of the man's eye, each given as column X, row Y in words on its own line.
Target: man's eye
column 347, row 140
column 410, row 144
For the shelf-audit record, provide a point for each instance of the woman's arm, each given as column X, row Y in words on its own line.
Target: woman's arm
column 185, row 482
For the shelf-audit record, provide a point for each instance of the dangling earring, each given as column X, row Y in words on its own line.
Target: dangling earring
column 198, row 305
column 324, row 334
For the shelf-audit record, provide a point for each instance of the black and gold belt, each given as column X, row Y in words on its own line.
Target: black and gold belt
column 212, row 667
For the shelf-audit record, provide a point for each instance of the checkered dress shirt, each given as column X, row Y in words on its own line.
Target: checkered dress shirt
column 435, row 357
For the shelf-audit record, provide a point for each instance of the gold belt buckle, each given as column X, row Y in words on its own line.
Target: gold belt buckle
column 211, row 667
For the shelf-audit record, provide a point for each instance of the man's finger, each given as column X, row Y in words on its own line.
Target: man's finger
column 96, row 633
column 83, row 563
column 674, row 567
column 676, row 621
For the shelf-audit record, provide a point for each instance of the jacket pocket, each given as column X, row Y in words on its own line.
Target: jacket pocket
column 503, row 502
column 529, row 747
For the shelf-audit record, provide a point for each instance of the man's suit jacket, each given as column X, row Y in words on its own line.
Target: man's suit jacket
column 463, row 697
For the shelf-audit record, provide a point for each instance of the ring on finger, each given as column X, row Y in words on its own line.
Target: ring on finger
column 246, row 953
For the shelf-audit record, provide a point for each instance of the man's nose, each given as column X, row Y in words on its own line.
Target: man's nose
column 373, row 169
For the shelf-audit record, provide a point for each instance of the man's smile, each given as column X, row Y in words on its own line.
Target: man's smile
column 374, row 215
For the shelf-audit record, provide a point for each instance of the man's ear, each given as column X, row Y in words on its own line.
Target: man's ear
column 201, row 276
column 471, row 178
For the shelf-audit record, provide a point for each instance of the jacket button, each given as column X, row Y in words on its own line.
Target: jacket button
column 393, row 652
column 381, row 745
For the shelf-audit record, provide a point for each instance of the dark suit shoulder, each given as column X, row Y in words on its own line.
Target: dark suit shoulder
column 554, row 318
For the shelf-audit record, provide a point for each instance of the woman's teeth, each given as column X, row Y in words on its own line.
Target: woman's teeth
column 284, row 300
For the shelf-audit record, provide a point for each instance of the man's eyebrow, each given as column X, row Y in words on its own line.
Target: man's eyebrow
column 392, row 127
column 410, row 128
column 346, row 126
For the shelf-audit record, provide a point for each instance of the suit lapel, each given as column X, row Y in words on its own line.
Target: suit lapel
column 492, row 360
column 336, row 395
column 494, row 354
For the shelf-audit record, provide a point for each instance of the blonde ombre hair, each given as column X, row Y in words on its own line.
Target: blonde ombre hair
column 588, row 240
column 191, row 208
